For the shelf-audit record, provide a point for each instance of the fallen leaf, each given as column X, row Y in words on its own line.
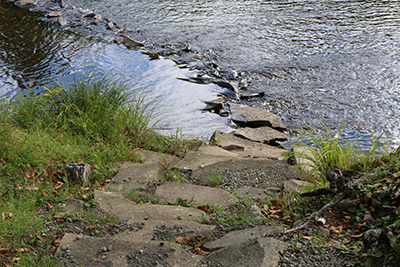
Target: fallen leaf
column 276, row 202
column 56, row 241
column 49, row 206
column 15, row 259
column 308, row 237
column 2, row 160
column 29, row 174
column 4, row 250
column 50, row 173
column 63, row 161
column 23, row 249
column 183, row 240
column 205, row 209
column 45, row 194
column 59, row 185
column 32, row 186
column 199, row 251
column 389, row 180
column 7, row 215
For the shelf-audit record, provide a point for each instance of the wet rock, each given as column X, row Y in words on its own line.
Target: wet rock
column 25, row 3
column 247, row 95
column 110, row 25
column 264, row 134
column 129, row 42
column 78, row 173
column 54, row 14
column 227, row 84
column 201, row 195
column 215, row 105
column 61, row 3
column 256, row 117
column 346, row 204
column 61, row 21
column 188, row 48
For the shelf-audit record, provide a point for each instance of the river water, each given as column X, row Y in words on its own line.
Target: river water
column 316, row 60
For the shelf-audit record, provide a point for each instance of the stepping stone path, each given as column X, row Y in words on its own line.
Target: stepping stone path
column 249, row 169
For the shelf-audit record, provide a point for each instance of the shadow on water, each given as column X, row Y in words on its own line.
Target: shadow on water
column 33, row 51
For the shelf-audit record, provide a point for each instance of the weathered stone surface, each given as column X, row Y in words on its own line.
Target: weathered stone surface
column 298, row 186
column 23, row 3
column 201, row 195
column 54, row 14
column 256, row 117
column 241, row 236
column 277, row 170
column 129, row 42
column 72, row 205
column 264, row 134
column 203, row 156
column 263, row 252
column 256, row 193
column 78, row 173
column 215, row 105
column 61, row 21
column 135, row 177
column 149, row 228
column 303, row 158
column 125, row 209
column 247, row 147
column 95, row 251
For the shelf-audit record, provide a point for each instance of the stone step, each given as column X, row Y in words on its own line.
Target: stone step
column 201, row 195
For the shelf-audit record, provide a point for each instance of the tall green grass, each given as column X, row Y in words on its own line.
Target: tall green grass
column 327, row 150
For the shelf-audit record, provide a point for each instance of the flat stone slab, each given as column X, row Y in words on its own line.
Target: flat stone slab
column 303, row 158
column 203, row 156
column 135, row 177
column 172, row 230
column 94, row 251
column 256, row 193
column 276, row 171
column 298, row 186
column 263, row 252
column 263, row 134
column 126, row 210
column 241, row 236
column 202, row 195
column 246, row 148
column 256, row 117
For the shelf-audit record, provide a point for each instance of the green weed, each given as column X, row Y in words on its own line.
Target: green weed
column 215, row 179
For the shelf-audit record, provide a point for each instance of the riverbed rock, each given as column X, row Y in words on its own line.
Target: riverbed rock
column 61, row 21
column 25, row 3
column 61, row 3
column 304, row 158
column 54, row 14
column 247, row 95
column 248, row 192
column 200, row 195
column 263, row 252
column 263, row 134
column 227, row 84
column 129, row 42
column 256, row 117
column 246, row 148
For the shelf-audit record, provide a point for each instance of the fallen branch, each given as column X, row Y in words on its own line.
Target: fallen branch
column 336, row 198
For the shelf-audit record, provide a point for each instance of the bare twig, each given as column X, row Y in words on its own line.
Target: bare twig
column 336, row 198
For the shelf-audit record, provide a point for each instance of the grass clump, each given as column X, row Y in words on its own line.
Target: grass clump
column 215, row 179
column 94, row 119
column 328, row 151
